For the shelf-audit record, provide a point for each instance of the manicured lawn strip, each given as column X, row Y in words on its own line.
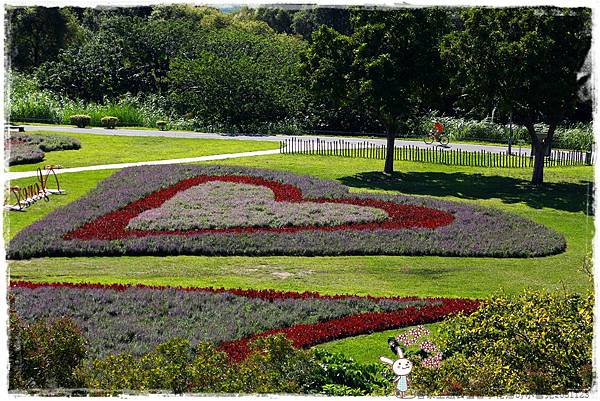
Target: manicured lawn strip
column 75, row 186
column 135, row 319
column 96, row 225
column 106, row 149
column 559, row 207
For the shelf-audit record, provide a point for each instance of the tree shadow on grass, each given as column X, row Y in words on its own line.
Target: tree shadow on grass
column 566, row 196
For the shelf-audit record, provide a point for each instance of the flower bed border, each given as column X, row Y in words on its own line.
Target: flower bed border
column 476, row 230
column 307, row 335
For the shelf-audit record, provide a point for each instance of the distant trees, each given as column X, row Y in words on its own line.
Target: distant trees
column 36, row 34
column 523, row 60
column 305, row 21
column 333, row 69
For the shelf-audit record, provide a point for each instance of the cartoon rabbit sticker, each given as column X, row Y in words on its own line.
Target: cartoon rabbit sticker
column 401, row 368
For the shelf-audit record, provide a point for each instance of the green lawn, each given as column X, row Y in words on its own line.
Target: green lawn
column 560, row 205
column 107, row 149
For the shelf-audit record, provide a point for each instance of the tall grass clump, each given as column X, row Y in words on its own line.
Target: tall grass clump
column 27, row 102
column 130, row 111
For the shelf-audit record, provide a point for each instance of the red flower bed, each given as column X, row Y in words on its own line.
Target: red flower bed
column 113, row 225
column 306, row 335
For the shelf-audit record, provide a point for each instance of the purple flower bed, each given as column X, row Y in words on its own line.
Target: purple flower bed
column 227, row 204
column 29, row 148
column 24, row 153
column 475, row 230
column 136, row 319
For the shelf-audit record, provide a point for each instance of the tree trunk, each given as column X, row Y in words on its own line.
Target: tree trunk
column 539, row 151
column 389, row 153
column 538, row 164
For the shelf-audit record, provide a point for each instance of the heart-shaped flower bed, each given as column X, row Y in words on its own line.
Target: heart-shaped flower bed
column 167, row 210
column 126, row 222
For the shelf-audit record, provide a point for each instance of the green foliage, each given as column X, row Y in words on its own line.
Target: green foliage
column 238, row 81
column 524, row 61
column 341, row 375
column 535, row 343
column 273, row 366
column 129, row 110
column 109, row 121
column 80, row 120
column 29, row 103
column 44, row 354
column 36, row 34
column 578, row 136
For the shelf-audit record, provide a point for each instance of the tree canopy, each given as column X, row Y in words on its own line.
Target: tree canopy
column 525, row 61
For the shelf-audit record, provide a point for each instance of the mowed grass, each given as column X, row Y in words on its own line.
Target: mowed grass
column 561, row 205
column 108, row 149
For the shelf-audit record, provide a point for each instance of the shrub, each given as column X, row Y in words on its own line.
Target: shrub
column 161, row 125
column 273, row 367
column 80, row 120
column 29, row 103
column 342, row 376
column 110, row 121
column 44, row 354
column 535, row 343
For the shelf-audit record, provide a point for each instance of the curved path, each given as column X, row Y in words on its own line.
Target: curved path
column 24, row 174
column 278, row 138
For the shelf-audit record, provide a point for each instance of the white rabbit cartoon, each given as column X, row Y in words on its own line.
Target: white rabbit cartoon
column 401, row 368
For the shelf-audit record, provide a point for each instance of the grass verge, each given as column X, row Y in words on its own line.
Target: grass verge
column 104, row 149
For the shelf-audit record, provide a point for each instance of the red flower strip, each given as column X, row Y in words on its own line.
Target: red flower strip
column 307, row 335
column 268, row 294
column 113, row 225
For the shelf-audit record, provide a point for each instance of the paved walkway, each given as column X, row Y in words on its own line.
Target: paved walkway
column 278, row 138
column 24, row 174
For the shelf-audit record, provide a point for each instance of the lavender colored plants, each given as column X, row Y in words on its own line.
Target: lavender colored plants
column 226, row 204
column 472, row 231
column 136, row 319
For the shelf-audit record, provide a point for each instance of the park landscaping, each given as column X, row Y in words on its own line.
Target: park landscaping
column 269, row 274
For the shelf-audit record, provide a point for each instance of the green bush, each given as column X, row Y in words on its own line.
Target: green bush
column 342, row 376
column 535, row 343
column 109, row 121
column 273, row 366
column 80, row 120
column 161, row 125
column 44, row 354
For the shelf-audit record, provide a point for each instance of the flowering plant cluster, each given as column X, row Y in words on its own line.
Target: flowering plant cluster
column 414, row 336
column 99, row 223
column 135, row 319
column 29, row 148
column 218, row 204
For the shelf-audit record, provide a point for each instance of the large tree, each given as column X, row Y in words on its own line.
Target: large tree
column 524, row 61
column 390, row 65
